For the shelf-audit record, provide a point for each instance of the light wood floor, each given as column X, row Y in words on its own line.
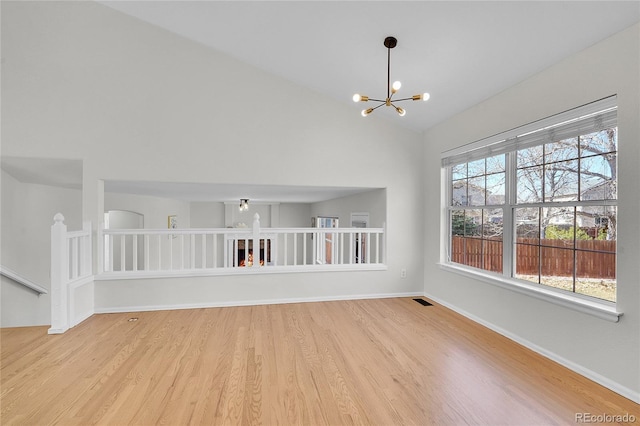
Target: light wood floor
column 384, row 362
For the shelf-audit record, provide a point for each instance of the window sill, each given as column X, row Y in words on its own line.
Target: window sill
column 603, row 310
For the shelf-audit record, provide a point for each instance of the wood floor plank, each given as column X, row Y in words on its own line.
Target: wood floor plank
column 361, row 362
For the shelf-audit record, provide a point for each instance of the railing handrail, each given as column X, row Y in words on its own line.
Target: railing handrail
column 249, row 231
column 78, row 233
column 13, row 275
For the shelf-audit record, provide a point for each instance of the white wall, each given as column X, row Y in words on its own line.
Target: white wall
column 207, row 215
column 139, row 103
column 372, row 202
column 154, row 209
column 27, row 216
column 606, row 351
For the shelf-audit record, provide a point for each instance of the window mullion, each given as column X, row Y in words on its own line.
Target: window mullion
column 508, row 242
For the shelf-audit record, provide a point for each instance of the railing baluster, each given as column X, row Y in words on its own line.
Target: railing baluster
column 304, row 248
column 123, row 251
column 377, row 247
column 351, row 244
column 110, row 266
column 203, row 255
column 134, row 239
column 182, row 251
column 215, row 250
column 146, row 252
column 192, row 251
column 295, row 248
column 74, row 258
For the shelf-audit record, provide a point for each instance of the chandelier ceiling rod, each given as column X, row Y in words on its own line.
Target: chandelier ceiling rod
column 389, row 43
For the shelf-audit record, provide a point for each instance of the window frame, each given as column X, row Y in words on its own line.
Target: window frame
column 508, row 143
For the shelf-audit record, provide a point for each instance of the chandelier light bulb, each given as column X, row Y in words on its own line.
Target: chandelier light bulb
column 401, row 111
column 425, row 96
column 366, row 112
column 396, row 86
column 356, row 98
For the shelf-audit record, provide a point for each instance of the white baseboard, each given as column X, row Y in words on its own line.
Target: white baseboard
column 119, row 309
column 79, row 318
column 589, row 374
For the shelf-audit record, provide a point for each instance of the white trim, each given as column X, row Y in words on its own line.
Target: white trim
column 150, row 308
column 583, row 371
column 276, row 269
column 603, row 310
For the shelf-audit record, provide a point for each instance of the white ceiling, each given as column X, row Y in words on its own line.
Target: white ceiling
column 462, row 52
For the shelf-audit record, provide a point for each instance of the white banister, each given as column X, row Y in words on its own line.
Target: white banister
column 178, row 251
column 59, row 276
column 71, row 267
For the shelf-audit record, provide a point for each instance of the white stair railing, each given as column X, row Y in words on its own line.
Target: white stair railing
column 13, row 275
column 158, row 252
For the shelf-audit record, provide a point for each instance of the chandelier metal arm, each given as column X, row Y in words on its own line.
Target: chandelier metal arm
column 413, row 98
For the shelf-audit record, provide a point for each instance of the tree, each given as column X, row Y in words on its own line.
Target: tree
column 582, row 168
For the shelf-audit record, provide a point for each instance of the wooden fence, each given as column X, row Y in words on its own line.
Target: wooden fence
column 593, row 258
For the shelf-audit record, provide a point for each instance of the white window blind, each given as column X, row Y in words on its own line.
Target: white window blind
column 592, row 117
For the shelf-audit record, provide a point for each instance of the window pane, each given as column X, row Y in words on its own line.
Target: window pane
column 597, row 223
column 495, row 189
column 459, row 171
column 528, row 225
column 473, row 223
column 476, row 191
column 557, row 267
column 596, row 178
column 596, row 274
column 492, row 224
column 473, row 252
column 529, row 185
column 528, row 262
column 457, row 222
column 561, row 181
column 476, row 168
column 459, row 193
column 529, row 157
column 558, row 226
column 561, row 150
column 599, row 142
column 496, row 164
column 492, row 255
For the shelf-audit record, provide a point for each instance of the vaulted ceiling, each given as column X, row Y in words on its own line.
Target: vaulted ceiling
column 461, row 52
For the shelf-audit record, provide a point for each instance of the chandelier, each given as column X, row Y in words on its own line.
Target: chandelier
column 389, row 43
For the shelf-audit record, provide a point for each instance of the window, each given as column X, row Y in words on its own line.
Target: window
column 538, row 204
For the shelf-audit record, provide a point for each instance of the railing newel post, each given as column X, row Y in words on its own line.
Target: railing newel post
column 59, row 276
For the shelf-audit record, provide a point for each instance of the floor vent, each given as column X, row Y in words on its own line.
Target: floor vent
column 423, row 302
